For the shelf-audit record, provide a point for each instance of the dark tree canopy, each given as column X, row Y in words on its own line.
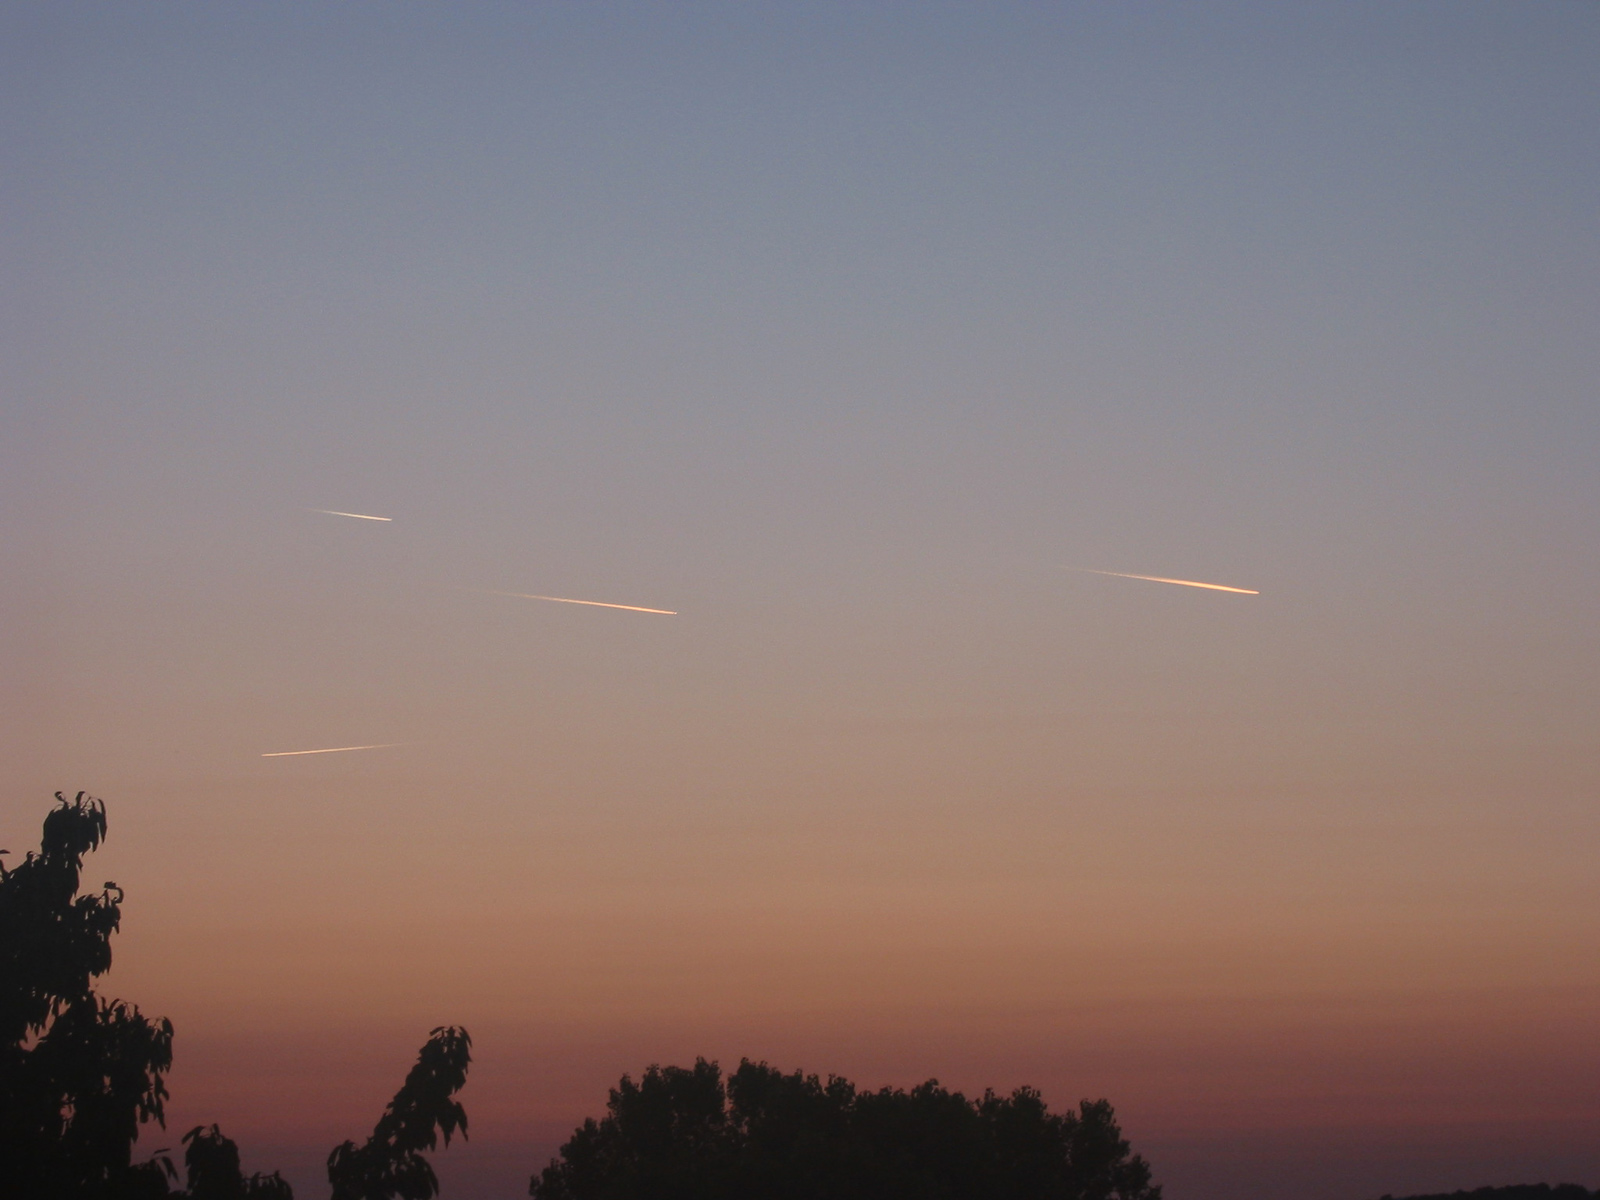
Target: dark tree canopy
column 211, row 1162
column 78, row 1074
column 390, row 1165
column 683, row 1134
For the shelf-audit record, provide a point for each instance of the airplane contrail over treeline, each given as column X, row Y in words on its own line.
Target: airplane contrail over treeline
column 1215, row 587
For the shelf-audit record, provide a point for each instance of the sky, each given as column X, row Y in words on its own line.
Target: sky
column 858, row 337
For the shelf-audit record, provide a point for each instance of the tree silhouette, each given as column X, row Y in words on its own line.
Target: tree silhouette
column 390, row 1165
column 212, row 1165
column 78, row 1074
column 682, row 1134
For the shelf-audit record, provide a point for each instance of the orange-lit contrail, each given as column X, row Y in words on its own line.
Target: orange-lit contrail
column 330, row 750
column 328, row 512
column 1215, row 587
column 665, row 612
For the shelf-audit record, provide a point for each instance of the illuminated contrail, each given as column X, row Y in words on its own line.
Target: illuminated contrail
column 665, row 612
column 1215, row 587
column 330, row 750
column 328, row 512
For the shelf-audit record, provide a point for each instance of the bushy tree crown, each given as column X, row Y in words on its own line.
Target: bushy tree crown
column 686, row 1134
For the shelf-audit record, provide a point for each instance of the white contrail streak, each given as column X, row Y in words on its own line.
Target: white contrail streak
column 1215, row 587
column 328, row 512
column 330, row 750
column 665, row 612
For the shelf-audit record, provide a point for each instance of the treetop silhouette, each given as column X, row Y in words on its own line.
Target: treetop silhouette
column 390, row 1164
column 80, row 1075
column 683, row 1134
column 211, row 1162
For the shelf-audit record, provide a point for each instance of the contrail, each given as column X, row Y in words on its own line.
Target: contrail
column 330, row 750
column 328, row 512
column 666, row 612
column 1215, row 587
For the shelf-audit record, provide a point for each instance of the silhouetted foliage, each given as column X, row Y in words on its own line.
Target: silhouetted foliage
column 212, row 1165
column 680, row 1134
column 78, row 1074
column 1516, row 1191
column 390, row 1165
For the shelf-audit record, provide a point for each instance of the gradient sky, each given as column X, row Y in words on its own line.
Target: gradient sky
column 846, row 332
